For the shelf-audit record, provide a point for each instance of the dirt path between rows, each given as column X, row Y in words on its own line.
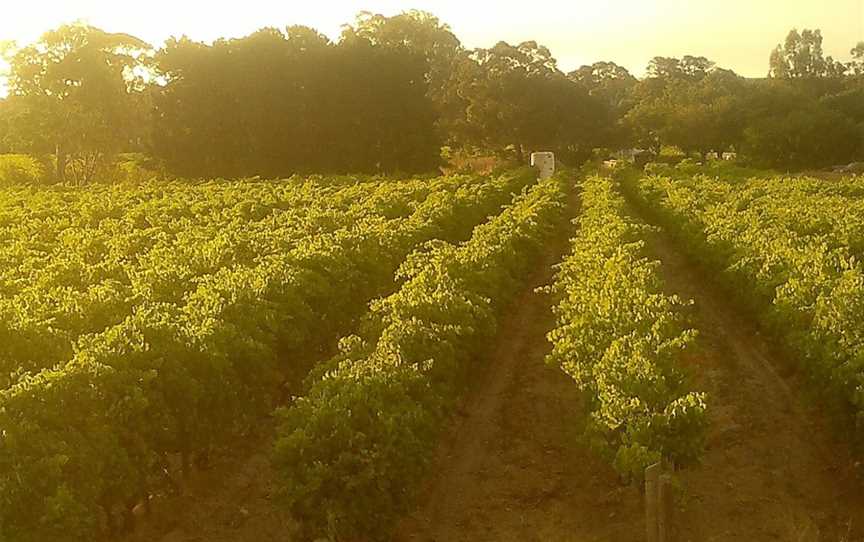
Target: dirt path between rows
column 514, row 466
column 231, row 501
column 773, row 468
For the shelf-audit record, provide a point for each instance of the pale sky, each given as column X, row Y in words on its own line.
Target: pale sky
column 737, row 34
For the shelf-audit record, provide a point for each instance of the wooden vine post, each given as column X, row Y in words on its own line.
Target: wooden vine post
column 658, row 504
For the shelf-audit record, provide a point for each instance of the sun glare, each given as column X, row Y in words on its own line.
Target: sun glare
column 446, row 270
column 735, row 33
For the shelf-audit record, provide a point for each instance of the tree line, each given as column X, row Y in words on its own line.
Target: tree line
column 392, row 92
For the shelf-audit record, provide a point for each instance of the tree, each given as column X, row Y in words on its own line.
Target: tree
column 688, row 103
column 424, row 34
column 279, row 102
column 857, row 64
column 81, row 93
column 607, row 81
column 661, row 67
column 707, row 115
column 612, row 85
column 801, row 56
column 248, row 106
column 696, row 67
column 6, row 133
column 496, row 85
column 386, row 119
column 688, row 67
column 849, row 104
column 787, row 128
column 696, row 115
column 517, row 99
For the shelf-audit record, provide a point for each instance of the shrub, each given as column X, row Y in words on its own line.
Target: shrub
column 657, row 168
column 20, row 169
column 134, row 168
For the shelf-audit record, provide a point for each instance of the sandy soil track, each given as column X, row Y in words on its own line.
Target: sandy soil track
column 514, row 466
column 773, row 468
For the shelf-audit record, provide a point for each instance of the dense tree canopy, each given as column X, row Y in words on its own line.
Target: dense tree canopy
column 607, row 81
column 392, row 91
column 689, row 67
column 277, row 102
column 613, row 86
column 516, row 98
column 423, row 34
column 787, row 128
column 79, row 92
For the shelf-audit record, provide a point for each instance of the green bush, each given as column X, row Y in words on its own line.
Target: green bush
column 157, row 380
column 134, row 168
column 623, row 341
column 787, row 250
column 353, row 448
column 689, row 169
column 658, row 168
column 20, row 169
column 689, row 166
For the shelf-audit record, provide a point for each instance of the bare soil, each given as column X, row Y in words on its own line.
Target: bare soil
column 514, row 466
column 231, row 501
column 774, row 467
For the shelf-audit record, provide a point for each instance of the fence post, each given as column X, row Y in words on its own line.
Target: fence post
column 658, row 503
column 664, row 508
column 652, row 483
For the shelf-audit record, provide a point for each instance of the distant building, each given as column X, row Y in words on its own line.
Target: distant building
column 544, row 162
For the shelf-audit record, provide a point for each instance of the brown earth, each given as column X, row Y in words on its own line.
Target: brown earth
column 514, row 466
column 231, row 501
column 774, row 467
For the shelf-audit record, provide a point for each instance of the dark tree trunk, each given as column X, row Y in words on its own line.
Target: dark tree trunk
column 60, row 173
